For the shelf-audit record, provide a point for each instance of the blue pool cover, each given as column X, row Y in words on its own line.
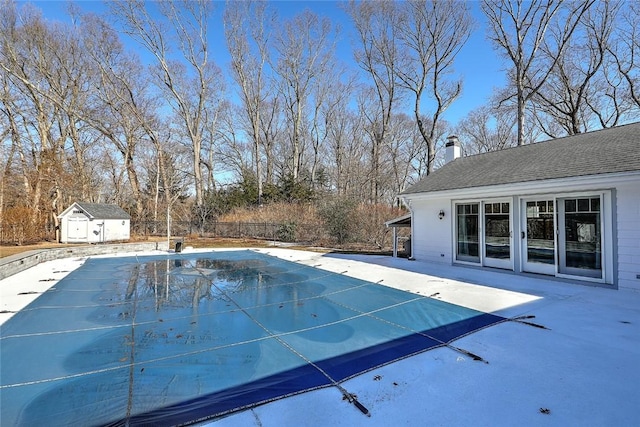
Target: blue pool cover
column 181, row 338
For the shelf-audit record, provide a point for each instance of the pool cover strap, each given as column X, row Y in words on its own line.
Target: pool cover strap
column 350, row 397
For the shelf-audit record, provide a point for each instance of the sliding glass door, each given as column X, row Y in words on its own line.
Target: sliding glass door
column 483, row 233
column 563, row 236
column 538, row 236
column 580, row 242
column 468, row 232
column 497, row 235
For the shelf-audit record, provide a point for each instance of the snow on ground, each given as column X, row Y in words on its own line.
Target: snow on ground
column 583, row 369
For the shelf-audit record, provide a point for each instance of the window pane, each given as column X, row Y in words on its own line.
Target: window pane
column 542, row 206
column 505, row 208
column 570, row 205
column 583, row 205
column 487, row 208
column 497, row 236
column 467, row 239
column 582, row 236
column 540, row 233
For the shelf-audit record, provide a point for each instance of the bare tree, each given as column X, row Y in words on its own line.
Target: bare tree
column 48, row 79
column 271, row 126
column 430, row 36
column 404, row 148
column 346, row 147
column 234, row 151
column 188, row 86
column 304, row 47
column 519, row 29
column 486, row 129
column 330, row 93
column 248, row 27
column 121, row 86
column 374, row 22
column 626, row 51
column 572, row 98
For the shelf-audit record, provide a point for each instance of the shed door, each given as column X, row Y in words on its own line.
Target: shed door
column 77, row 228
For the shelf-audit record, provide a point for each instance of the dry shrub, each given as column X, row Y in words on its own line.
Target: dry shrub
column 20, row 225
column 371, row 219
column 365, row 227
column 276, row 213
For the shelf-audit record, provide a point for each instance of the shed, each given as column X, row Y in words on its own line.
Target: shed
column 94, row 223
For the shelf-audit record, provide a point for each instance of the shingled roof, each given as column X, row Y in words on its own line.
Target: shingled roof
column 103, row 210
column 600, row 152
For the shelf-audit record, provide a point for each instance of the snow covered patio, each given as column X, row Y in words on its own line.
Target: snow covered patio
column 581, row 370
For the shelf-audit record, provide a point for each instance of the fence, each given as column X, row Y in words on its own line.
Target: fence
column 310, row 234
column 286, row 232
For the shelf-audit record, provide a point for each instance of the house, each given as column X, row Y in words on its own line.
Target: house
column 568, row 207
column 94, row 223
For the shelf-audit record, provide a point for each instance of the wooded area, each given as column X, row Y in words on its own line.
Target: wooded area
column 133, row 107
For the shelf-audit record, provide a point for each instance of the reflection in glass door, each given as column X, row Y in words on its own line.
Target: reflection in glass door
column 539, row 239
column 497, row 235
column 467, row 232
column 580, row 245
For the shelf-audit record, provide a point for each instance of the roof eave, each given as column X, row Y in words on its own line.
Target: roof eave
column 531, row 187
column 400, row 219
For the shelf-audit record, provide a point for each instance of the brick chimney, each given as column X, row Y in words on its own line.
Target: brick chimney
column 453, row 149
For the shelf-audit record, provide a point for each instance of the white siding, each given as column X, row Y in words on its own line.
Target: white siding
column 628, row 212
column 95, row 231
column 433, row 238
column 431, row 235
column 116, row 229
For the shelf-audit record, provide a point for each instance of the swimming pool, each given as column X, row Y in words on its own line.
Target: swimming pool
column 178, row 338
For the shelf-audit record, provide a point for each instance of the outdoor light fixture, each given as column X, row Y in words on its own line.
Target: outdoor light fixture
column 441, row 214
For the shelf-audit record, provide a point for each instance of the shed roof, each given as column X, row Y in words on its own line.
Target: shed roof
column 100, row 210
column 401, row 221
column 604, row 151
